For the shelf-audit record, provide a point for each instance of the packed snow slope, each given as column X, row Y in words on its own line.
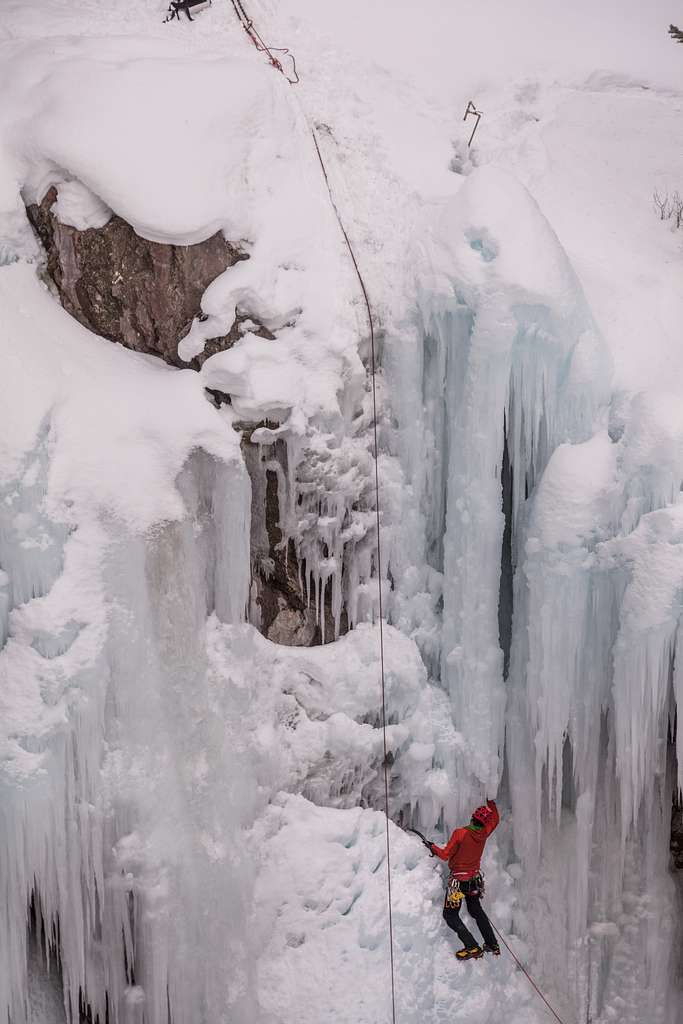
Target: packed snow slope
column 191, row 822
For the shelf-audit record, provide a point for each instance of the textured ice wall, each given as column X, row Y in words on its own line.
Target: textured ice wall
column 511, row 357
column 595, row 688
column 513, row 465
column 123, row 523
column 114, row 804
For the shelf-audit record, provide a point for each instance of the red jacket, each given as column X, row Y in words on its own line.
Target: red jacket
column 464, row 849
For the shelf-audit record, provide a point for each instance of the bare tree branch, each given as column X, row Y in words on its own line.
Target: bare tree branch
column 662, row 204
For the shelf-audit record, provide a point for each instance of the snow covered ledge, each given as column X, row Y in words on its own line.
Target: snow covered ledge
column 286, row 303
column 143, row 294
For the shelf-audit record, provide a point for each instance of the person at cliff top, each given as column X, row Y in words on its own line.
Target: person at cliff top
column 463, row 852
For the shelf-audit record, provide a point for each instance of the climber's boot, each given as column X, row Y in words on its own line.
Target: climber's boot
column 469, row 954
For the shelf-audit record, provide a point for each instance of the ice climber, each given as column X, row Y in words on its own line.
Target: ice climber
column 463, row 852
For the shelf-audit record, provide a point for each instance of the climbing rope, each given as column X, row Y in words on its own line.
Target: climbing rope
column 385, row 762
column 373, row 365
column 293, row 79
column 248, row 26
column 527, row 975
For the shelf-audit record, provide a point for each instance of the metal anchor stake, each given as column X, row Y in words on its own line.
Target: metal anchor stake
column 471, row 109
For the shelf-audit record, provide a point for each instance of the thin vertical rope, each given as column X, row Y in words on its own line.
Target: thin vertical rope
column 373, row 367
column 527, row 975
column 259, row 44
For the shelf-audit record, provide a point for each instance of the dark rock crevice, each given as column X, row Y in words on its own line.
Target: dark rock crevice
column 676, row 837
column 505, row 593
column 279, row 606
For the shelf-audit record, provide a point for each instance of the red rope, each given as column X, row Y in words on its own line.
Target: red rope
column 527, row 975
column 262, row 47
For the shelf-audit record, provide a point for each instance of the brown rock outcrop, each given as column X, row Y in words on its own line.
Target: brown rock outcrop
column 145, row 296
column 123, row 287
column 280, row 607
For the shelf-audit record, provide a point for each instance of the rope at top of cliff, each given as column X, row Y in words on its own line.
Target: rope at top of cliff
column 293, row 79
column 248, row 25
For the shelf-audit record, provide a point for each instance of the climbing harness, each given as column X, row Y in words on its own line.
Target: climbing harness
column 471, row 109
column 293, row 79
column 248, row 26
column 186, row 6
column 474, row 886
column 457, row 889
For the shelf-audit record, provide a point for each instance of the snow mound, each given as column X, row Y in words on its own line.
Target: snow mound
column 114, row 448
column 319, row 718
column 230, row 152
column 321, row 912
column 184, row 155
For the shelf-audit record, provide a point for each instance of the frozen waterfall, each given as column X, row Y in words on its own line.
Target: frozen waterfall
column 191, row 813
column 519, row 458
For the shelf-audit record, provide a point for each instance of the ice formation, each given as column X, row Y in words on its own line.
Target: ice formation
column 508, row 338
column 189, row 823
column 125, row 528
column 519, row 469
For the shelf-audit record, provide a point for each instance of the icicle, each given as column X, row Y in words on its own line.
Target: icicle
column 102, row 829
column 500, row 348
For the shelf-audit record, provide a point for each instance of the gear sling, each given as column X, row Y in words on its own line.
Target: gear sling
column 471, row 890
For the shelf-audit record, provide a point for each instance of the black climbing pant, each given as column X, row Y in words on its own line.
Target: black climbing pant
column 451, row 916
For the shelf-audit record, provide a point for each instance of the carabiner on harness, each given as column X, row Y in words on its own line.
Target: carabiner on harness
column 454, row 894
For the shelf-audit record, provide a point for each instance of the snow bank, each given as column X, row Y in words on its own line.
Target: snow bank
column 226, row 152
column 104, row 412
column 317, row 717
column 321, row 913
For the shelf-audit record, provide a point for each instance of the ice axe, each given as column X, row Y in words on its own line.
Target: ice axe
column 420, row 836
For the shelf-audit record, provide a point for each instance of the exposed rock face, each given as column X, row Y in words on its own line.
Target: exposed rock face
column 279, row 604
column 145, row 296
column 123, row 287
